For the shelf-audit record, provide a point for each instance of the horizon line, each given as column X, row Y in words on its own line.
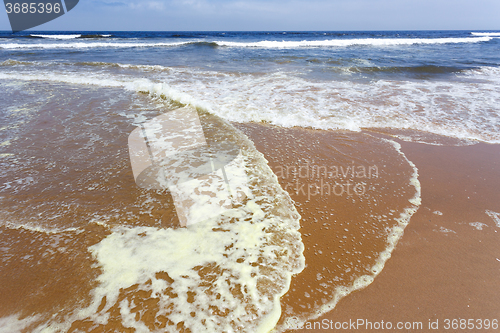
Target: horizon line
column 381, row 30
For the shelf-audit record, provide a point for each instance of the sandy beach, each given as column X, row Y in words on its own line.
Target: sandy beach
column 446, row 264
column 364, row 195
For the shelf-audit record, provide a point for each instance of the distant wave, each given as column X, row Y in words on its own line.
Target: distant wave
column 261, row 44
column 352, row 42
column 486, row 33
column 99, row 64
column 94, row 36
column 56, row 36
column 69, row 36
column 84, row 45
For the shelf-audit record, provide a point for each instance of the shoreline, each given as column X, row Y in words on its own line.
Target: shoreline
column 445, row 267
column 356, row 193
column 446, row 264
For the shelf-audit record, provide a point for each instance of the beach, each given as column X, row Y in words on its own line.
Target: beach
column 448, row 261
column 445, row 266
column 249, row 182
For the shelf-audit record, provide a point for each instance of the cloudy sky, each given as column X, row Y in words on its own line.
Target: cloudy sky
column 238, row 15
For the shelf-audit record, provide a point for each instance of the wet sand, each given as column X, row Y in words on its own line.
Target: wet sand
column 352, row 191
column 443, row 267
column 60, row 203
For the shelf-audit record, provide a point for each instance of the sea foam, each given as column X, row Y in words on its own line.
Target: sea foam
column 57, row 36
column 266, row 44
column 287, row 100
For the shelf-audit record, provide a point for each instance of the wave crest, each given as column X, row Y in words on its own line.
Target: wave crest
column 266, row 44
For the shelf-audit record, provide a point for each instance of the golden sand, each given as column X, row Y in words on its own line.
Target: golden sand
column 445, row 266
column 355, row 193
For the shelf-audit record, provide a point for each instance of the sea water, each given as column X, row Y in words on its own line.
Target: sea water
column 99, row 252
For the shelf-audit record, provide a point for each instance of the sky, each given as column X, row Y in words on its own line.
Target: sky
column 275, row 15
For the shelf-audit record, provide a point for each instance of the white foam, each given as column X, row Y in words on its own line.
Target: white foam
column 12, row 324
column 286, row 100
column 378, row 42
column 84, row 45
column 485, row 33
column 248, row 255
column 57, row 36
column 38, row 228
column 446, row 231
column 466, row 108
column 495, row 216
column 351, row 42
column 478, row 225
column 133, row 256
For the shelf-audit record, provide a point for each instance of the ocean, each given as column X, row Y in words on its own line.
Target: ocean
column 309, row 195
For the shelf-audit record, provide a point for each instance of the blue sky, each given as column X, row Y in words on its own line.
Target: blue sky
column 225, row 15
